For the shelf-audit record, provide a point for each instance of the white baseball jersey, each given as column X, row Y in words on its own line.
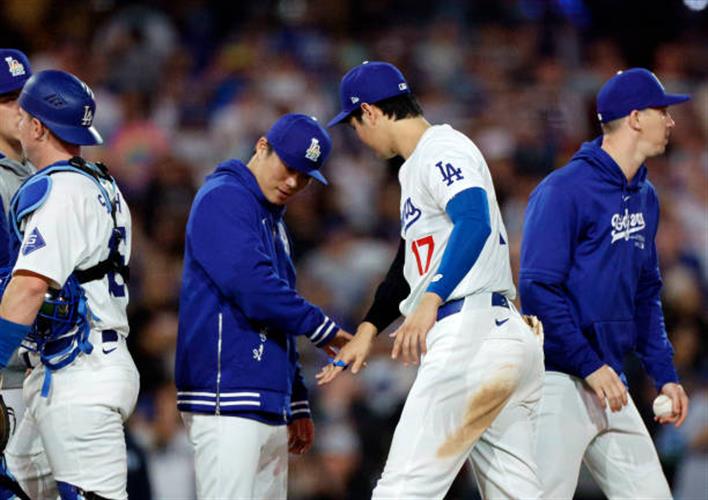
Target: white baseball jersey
column 444, row 163
column 90, row 398
column 479, row 384
column 71, row 230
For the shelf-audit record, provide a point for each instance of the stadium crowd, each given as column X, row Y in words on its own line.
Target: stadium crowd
column 183, row 85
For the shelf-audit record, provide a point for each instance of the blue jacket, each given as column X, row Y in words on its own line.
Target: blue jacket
column 239, row 312
column 589, row 268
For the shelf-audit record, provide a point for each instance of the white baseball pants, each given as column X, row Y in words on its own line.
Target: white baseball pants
column 616, row 447
column 76, row 434
column 238, row 458
column 475, row 397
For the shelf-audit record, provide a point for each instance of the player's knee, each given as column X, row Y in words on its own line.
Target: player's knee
column 68, row 491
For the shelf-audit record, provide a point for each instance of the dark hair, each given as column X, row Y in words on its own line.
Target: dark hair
column 396, row 107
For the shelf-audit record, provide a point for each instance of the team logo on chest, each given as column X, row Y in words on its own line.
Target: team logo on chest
column 409, row 214
column 626, row 226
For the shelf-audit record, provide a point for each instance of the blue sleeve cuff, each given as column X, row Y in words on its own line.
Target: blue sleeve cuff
column 11, row 336
column 469, row 212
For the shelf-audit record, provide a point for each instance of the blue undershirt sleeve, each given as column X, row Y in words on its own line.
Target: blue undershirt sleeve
column 469, row 212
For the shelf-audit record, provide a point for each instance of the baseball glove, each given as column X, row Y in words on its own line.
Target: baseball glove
column 535, row 325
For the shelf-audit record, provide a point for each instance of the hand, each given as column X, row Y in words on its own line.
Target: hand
column 606, row 384
column 412, row 333
column 679, row 401
column 354, row 354
column 337, row 342
column 301, row 434
column 536, row 326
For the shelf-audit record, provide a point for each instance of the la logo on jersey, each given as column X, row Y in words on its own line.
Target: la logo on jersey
column 449, row 173
column 87, row 119
column 16, row 68
column 33, row 242
column 625, row 226
column 313, row 152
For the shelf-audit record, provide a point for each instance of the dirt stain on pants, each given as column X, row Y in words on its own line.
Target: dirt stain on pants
column 484, row 406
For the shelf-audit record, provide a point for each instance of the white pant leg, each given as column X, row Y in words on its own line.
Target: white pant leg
column 569, row 419
column 238, row 458
column 28, row 462
column 471, row 371
column 81, row 422
column 623, row 459
column 503, row 460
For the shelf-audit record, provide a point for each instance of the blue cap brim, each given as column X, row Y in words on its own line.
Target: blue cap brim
column 671, row 99
column 13, row 86
column 75, row 135
column 317, row 175
column 339, row 118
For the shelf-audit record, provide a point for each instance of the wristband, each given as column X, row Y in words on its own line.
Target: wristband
column 11, row 336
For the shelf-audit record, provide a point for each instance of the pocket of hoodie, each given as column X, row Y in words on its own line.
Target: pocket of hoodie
column 615, row 339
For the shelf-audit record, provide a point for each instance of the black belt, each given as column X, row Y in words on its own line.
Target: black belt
column 455, row 306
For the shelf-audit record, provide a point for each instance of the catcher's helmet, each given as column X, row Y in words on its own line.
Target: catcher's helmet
column 64, row 104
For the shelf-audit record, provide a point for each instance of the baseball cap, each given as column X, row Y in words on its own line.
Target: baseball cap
column 301, row 143
column 64, row 104
column 15, row 70
column 369, row 82
column 635, row 88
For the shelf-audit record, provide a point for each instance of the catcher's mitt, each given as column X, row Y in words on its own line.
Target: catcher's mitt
column 535, row 325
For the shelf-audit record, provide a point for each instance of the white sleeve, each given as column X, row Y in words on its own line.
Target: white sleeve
column 449, row 169
column 55, row 237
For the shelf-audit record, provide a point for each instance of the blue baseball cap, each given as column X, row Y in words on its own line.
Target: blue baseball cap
column 301, row 143
column 15, row 70
column 369, row 82
column 635, row 88
column 64, row 104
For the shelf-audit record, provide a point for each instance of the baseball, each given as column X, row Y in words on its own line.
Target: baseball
column 662, row 405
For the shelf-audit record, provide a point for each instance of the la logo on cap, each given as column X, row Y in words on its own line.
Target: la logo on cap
column 16, row 68
column 88, row 117
column 313, row 152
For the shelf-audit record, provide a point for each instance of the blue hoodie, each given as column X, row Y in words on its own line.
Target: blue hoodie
column 589, row 268
column 239, row 311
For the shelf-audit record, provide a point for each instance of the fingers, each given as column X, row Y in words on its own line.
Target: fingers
column 682, row 406
column 616, row 395
column 357, row 364
column 398, row 335
column 328, row 373
column 601, row 397
column 407, row 343
column 616, row 392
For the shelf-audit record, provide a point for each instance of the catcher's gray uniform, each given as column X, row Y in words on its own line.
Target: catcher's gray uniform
column 12, row 175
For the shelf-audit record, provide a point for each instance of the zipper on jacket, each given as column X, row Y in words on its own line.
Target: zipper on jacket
column 218, row 366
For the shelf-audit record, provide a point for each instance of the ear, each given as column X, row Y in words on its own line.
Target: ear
column 633, row 120
column 261, row 145
column 39, row 131
column 369, row 113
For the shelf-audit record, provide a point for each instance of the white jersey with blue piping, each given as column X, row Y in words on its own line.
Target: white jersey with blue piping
column 444, row 163
column 70, row 230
